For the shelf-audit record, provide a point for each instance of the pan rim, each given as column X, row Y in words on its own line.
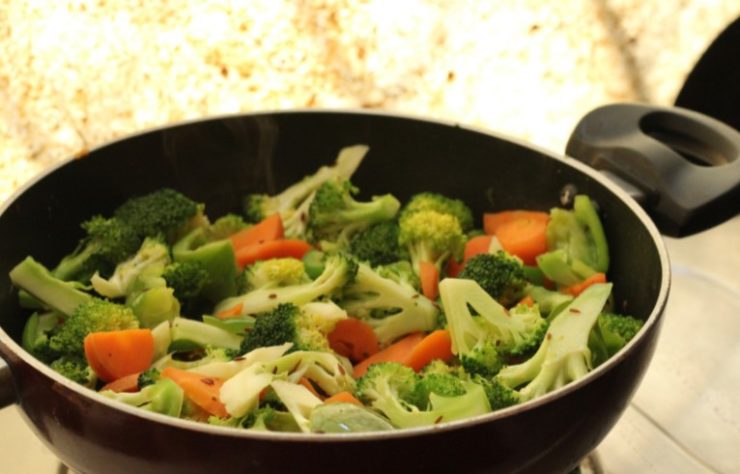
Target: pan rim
column 651, row 321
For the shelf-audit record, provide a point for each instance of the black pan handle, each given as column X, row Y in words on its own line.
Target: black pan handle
column 7, row 390
column 682, row 166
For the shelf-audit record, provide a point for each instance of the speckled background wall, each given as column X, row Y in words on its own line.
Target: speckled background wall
column 74, row 74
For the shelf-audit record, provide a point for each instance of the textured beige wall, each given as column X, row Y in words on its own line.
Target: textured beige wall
column 74, row 74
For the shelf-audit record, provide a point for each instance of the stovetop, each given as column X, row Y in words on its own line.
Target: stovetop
column 684, row 418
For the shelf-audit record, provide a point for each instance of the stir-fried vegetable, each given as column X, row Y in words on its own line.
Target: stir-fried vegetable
column 320, row 312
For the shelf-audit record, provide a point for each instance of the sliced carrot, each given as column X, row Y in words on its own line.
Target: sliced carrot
column 477, row 245
column 429, row 277
column 578, row 288
column 527, row 300
column 343, row 397
column 493, row 220
column 396, row 352
column 232, row 312
column 436, row 345
column 354, row 339
column 309, row 386
column 115, row 354
column 200, row 389
column 270, row 228
column 525, row 238
column 127, row 383
column 272, row 249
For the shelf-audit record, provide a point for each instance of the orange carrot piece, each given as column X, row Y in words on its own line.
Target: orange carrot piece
column 477, row 245
column 343, row 397
column 115, row 354
column 232, row 312
column 127, row 383
column 272, row 249
column 354, row 339
column 436, row 345
column 527, row 300
column 200, row 389
column 429, row 277
column 578, row 288
column 493, row 220
column 270, row 228
column 525, row 238
column 396, row 352
column 309, row 386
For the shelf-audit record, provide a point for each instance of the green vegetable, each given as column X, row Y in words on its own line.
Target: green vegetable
column 500, row 275
column 216, row 258
column 163, row 396
column 430, row 236
column 188, row 334
column 378, row 244
column 429, row 201
column 35, row 279
column 164, row 212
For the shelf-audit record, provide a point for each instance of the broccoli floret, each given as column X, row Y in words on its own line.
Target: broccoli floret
column 611, row 333
column 276, row 272
column 106, row 243
column 499, row 395
column 401, row 272
column 148, row 377
column 515, row 332
column 549, row 302
column 501, row 275
column 339, row 270
column 393, row 309
column 293, row 203
column 39, row 328
column 335, row 216
column 94, row 315
column 225, row 226
column 289, row 323
column 577, row 242
column 429, row 201
column 445, row 385
column 163, row 396
column 76, row 369
column 378, row 244
column 392, row 391
column 430, row 236
column 188, row 280
column 267, row 418
column 163, row 212
column 153, row 252
column 483, row 359
column 564, row 355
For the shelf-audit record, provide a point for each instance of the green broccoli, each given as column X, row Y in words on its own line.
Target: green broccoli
column 430, row 236
column 293, row 202
column 429, row 201
column 153, row 252
column 611, row 333
column 393, row 309
column 188, row 279
column 289, row 323
column 401, row 272
column 515, row 332
column 163, row 212
column 217, row 258
column 443, row 384
column 188, row 334
column 163, row 396
column 392, row 391
column 549, row 302
column 564, row 355
column 75, row 368
column 335, row 216
column 500, row 275
column 225, row 226
column 106, row 243
column 499, row 395
column 267, row 418
column 148, row 377
column 276, row 272
column 339, row 270
column 578, row 243
column 39, row 328
column 94, row 315
column 483, row 359
column 378, row 244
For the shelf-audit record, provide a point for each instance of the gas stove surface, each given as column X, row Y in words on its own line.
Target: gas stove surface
column 684, row 418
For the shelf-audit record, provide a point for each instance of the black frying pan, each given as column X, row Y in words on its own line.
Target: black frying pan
column 218, row 161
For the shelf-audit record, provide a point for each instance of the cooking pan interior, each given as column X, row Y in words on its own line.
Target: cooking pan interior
column 218, row 161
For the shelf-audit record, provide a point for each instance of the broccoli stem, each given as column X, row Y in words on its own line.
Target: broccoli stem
column 36, row 279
